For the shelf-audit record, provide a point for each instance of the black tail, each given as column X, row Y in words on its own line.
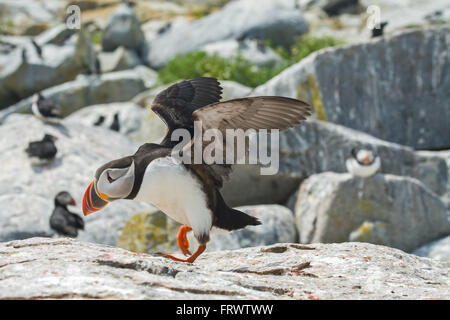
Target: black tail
column 231, row 219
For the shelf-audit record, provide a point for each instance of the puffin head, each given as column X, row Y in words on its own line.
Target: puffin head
column 363, row 156
column 64, row 198
column 114, row 180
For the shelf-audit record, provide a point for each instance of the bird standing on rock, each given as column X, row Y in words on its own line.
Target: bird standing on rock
column 99, row 121
column 62, row 220
column 115, row 125
column 363, row 163
column 189, row 193
column 43, row 150
column 45, row 109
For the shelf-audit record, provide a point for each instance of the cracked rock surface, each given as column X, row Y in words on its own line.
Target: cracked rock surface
column 44, row 268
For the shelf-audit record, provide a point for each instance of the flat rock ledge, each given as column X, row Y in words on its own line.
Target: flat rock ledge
column 62, row 268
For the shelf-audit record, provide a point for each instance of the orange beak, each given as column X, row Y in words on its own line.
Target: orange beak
column 366, row 160
column 92, row 201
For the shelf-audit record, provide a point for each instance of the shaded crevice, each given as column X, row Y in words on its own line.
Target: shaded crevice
column 138, row 266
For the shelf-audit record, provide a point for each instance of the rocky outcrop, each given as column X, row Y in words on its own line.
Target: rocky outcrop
column 395, row 211
column 94, row 89
column 318, row 146
column 279, row 21
column 59, row 63
column 123, row 29
column 369, row 86
column 119, row 59
column 67, row 269
column 27, row 190
column 439, row 249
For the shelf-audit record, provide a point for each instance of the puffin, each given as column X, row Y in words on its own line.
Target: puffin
column 186, row 191
column 378, row 32
column 99, row 121
column 62, row 220
column 43, row 150
column 45, row 109
column 362, row 163
column 115, row 125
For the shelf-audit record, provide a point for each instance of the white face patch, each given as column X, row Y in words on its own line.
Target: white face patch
column 116, row 183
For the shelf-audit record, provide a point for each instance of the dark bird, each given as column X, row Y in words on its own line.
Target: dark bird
column 62, row 220
column 44, row 149
column 97, row 67
column 99, row 121
column 45, row 109
column 362, row 163
column 115, row 125
column 37, row 48
column 187, row 191
column 378, row 32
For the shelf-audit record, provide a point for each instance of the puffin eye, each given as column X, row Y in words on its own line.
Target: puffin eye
column 110, row 179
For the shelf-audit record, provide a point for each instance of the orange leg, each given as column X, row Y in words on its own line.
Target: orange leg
column 191, row 259
column 183, row 243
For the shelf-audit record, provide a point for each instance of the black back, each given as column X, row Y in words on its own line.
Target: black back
column 379, row 32
column 48, row 108
column 99, row 121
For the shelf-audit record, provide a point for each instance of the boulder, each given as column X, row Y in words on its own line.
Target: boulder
column 439, row 249
column 59, row 63
column 70, row 269
column 279, row 21
column 27, row 190
column 391, row 105
column 130, row 116
column 318, row 146
column 254, row 51
column 119, row 59
column 399, row 212
column 88, row 90
column 123, row 29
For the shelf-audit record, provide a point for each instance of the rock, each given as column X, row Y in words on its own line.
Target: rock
column 388, row 105
column 278, row 225
column 318, row 146
column 59, row 63
column 27, row 191
column 279, row 21
column 94, row 89
column 395, row 211
column 123, row 29
column 332, row 7
column 234, row 90
column 70, row 269
column 251, row 50
column 119, row 59
column 439, row 249
column 130, row 116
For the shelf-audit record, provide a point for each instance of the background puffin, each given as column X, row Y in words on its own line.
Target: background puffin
column 363, row 163
column 189, row 193
column 99, row 121
column 115, row 125
column 43, row 150
column 378, row 32
column 45, row 109
column 62, row 220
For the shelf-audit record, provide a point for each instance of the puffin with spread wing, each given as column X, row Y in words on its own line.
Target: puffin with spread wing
column 189, row 193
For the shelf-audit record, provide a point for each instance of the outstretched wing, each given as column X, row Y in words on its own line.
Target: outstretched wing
column 176, row 104
column 247, row 113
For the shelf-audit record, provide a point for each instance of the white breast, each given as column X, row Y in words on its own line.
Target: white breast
column 359, row 170
column 169, row 186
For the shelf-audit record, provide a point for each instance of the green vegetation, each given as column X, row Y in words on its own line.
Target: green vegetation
column 96, row 37
column 198, row 64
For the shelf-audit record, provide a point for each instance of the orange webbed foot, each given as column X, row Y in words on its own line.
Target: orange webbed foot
column 191, row 259
column 182, row 240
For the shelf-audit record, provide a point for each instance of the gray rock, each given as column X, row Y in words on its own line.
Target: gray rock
column 234, row 90
column 27, row 191
column 119, row 59
column 395, row 211
column 69, row 269
column 279, row 21
column 59, row 63
column 251, row 50
column 317, row 146
column 439, row 249
column 391, row 105
column 123, row 29
column 278, row 225
column 130, row 116
column 94, row 89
